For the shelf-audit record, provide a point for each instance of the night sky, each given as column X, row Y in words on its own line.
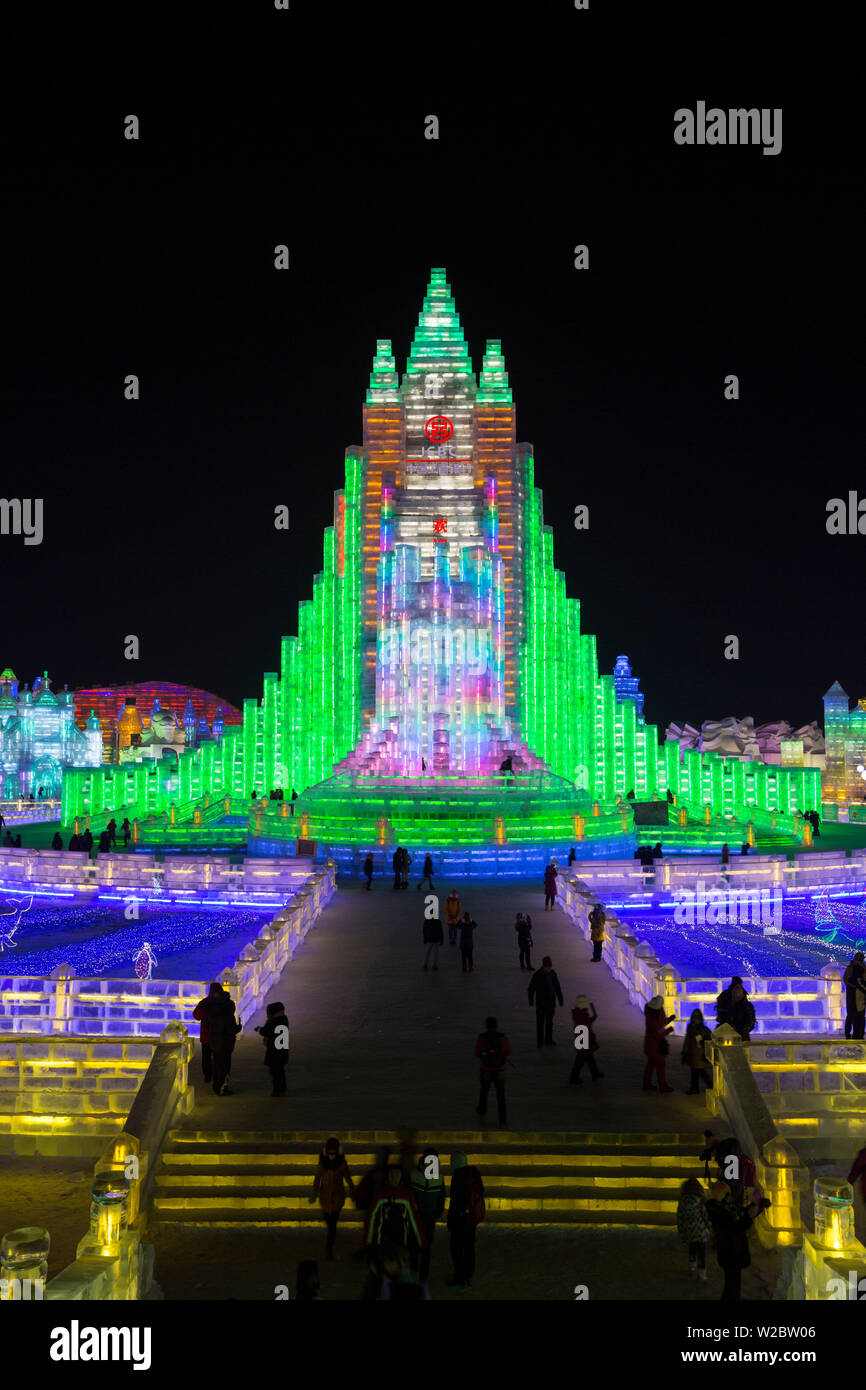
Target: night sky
column 707, row 517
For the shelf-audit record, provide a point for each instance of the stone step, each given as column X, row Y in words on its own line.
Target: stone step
column 227, row 1175
column 569, row 1167
column 481, row 1141
column 258, row 1211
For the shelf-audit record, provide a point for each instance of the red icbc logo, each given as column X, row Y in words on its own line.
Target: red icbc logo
column 438, row 428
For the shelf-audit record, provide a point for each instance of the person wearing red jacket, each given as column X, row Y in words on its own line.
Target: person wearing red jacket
column 200, row 1012
column 655, row 1044
column 393, row 1217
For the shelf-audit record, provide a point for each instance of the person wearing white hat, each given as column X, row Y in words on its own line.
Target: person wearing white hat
column 583, row 1016
column 655, row 1044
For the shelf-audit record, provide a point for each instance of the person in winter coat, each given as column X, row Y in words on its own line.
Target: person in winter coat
column 655, row 1044
column 465, row 1214
column 223, row 1028
column 275, row 1035
column 396, row 864
column 544, row 990
column 427, row 876
column 857, row 1178
column 597, row 919
column 549, row 888
column 734, row 1007
column 492, row 1049
column 730, row 1225
column 393, row 1217
column 693, row 1225
column 452, row 915
column 523, row 927
column 405, row 866
column 368, row 871
column 694, row 1053
column 583, row 1015
column 854, row 980
column 571, row 856
column 428, row 1189
column 468, row 928
column 200, row 1012
column 741, row 1176
column 433, row 938
column 330, row 1185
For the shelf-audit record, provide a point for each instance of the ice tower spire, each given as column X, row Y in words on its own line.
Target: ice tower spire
column 438, row 344
column 439, row 380
column 493, row 388
column 384, row 386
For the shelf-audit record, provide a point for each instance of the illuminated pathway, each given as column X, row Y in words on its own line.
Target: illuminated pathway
column 376, row 1042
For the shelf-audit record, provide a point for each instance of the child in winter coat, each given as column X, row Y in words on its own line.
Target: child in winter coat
column 693, row 1225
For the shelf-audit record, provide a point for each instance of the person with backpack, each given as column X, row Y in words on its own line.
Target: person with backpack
column 466, row 1211
column 368, row 871
column 428, row 1189
column 544, row 991
column 492, row 1049
column 523, row 927
column 433, row 937
column 597, row 919
column 736, row 1168
column 275, row 1035
column 468, row 927
column 223, row 1028
column 452, row 915
column 583, row 1015
column 393, row 1217
column 427, row 876
column 329, row 1187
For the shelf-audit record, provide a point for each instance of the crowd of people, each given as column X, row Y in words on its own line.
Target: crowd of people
column 82, row 843
column 403, row 1198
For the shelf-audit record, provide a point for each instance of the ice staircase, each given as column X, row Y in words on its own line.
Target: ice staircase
column 375, row 752
column 217, row 1178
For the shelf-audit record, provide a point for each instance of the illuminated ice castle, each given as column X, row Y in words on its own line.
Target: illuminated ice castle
column 38, row 737
column 440, row 645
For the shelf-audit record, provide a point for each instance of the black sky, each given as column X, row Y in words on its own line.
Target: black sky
column 156, row 257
